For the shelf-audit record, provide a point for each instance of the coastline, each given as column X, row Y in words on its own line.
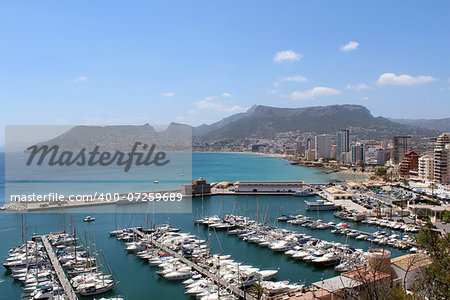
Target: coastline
column 320, row 166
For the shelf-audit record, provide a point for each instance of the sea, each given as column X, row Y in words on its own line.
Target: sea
column 138, row 279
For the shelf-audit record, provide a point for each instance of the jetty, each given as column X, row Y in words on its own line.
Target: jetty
column 235, row 290
column 65, row 284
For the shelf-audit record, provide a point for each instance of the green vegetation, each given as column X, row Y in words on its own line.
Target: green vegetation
column 381, row 171
column 435, row 281
column 401, row 203
column 427, row 201
column 256, row 290
column 446, row 216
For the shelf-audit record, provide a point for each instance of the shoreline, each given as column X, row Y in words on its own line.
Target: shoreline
column 293, row 162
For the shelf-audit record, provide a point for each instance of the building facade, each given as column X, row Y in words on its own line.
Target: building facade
column 402, row 144
column 357, row 153
column 374, row 155
column 409, row 165
column 342, row 142
column 441, row 160
column 322, row 143
column 426, row 168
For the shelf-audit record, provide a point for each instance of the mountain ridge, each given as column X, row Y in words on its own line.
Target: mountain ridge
column 434, row 124
column 267, row 122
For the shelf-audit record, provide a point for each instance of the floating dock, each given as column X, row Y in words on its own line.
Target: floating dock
column 65, row 284
column 238, row 292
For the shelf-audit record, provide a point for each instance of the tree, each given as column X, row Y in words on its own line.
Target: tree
column 435, row 281
column 256, row 290
column 446, row 216
column 381, row 171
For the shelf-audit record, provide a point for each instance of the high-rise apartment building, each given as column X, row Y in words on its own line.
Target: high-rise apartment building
column 426, row 168
column 322, row 143
column 374, row 155
column 357, row 153
column 441, row 159
column 402, row 144
column 409, row 165
column 342, row 142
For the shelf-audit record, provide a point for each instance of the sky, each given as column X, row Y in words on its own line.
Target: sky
column 133, row 62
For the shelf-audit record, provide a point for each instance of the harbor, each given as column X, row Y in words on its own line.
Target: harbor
column 68, row 290
column 137, row 278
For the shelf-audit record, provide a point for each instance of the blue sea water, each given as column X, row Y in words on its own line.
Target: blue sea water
column 137, row 279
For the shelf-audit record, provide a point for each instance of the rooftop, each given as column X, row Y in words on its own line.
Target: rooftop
column 365, row 274
column 336, row 283
column 430, row 207
column 335, row 191
column 412, row 261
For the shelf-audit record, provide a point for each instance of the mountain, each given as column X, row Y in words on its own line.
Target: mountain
column 267, row 122
column 122, row 137
column 204, row 128
column 442, row 125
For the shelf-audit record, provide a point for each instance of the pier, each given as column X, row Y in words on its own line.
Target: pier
column 238, row 292
column 65, row 284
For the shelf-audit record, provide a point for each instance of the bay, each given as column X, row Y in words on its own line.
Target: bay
column 138, row 280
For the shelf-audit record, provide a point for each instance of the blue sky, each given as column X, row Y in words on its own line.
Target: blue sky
column 132, row 62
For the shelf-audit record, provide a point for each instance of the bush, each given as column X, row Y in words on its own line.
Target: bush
column 381, row 171
column 446, row 216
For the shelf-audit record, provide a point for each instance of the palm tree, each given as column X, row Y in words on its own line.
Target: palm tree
column 256, row 290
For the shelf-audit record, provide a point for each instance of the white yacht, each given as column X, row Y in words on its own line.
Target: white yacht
column 321, row 205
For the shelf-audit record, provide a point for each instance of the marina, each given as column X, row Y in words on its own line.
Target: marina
column 136, row 280
column 68, row 290
column 231, row 278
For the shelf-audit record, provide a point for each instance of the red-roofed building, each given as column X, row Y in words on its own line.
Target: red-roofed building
column 409, row 165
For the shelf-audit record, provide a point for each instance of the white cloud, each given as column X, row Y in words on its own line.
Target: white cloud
column 226, row 95
column 271, row 91
column 365, row 98
column 358, row 87
column 209, row 98
column 192, row 112
column 208, row 104
column 392, row 79
column 80, row 79
column 296, row 78
column 352, row 45
column 168, row 94
column 313, row 93
column 287, row 55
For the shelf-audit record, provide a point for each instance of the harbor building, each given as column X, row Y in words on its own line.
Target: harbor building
column 433, row 211
column 334, row 193
column 407, row 268
column 342, row 142
column 322, row 142
column 402, row 144
column 409, row 165
column 197, row 187
column 270, row 187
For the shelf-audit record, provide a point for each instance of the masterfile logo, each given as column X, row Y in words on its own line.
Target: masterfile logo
column 95, row 157
column 54, row 167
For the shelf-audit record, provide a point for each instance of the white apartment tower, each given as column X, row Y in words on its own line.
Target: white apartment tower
column 441, row 159
column 426, row 168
